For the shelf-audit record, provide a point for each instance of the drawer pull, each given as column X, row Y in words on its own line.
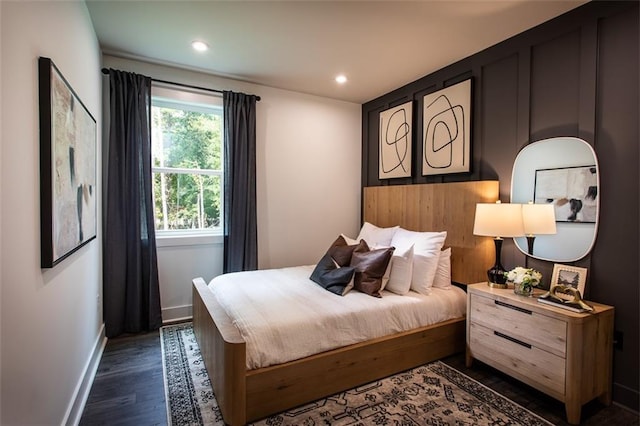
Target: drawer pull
column 515, row 308
column 514, row 340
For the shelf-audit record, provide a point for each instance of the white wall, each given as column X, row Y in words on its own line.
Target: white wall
column 308, row 181
column 309, row 175
column 180, row 260
column 51, row 322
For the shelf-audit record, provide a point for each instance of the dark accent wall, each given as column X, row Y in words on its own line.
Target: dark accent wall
column 576, row 75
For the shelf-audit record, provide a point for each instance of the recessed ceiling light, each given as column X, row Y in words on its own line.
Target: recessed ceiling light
column 200, row 46
column 341, row 79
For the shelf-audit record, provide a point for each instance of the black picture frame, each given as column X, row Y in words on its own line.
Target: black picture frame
column 68, row 139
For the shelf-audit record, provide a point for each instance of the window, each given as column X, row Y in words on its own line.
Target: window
column 187, row 163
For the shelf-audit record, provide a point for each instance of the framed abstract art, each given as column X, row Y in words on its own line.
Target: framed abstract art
column 67, row 168
column 573, row 191
column 446, row 129
column 395, row 138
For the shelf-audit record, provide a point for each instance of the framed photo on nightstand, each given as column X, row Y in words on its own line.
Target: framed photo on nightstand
column 571, row 276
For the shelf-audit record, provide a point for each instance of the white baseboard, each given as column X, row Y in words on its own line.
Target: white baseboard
column 81, row 393
column 177, row 314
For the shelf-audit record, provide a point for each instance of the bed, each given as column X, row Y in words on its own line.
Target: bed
column 250, row 394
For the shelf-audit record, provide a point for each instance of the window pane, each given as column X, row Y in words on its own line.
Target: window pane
column 185, row 201
column 186, row 139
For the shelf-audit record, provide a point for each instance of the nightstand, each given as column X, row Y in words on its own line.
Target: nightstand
column 564, row 354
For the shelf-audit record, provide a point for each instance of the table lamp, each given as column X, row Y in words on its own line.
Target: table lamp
column 538, row 219
column 498, row 220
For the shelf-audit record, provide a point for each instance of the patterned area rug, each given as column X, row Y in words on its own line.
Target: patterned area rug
column 434, row 394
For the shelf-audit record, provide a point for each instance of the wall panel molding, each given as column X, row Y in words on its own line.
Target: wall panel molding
column 588, row 78
column 524, row 97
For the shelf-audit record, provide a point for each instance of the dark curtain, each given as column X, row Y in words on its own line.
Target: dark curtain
column 240, row 222
column 130, row 277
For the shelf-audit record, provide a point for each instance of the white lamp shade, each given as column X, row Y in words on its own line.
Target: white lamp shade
column 498, row 220
column 539, row 219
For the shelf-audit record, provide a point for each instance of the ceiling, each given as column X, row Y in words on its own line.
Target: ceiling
column 303, row 45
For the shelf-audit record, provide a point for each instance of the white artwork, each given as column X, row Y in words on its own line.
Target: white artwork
column 67, row 168
column 573, row 191
column 395, row 142
column 447, row 130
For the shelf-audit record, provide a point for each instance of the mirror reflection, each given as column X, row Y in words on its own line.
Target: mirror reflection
column 563, row 173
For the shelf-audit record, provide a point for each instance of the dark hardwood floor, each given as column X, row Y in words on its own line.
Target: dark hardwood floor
column 129, row 390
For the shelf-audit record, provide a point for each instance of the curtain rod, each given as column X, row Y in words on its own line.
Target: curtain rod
column 106, row 72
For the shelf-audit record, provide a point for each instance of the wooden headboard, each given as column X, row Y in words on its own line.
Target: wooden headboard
column 439, row 207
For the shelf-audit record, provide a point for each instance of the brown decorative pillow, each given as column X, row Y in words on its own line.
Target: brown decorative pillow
column 370, row 267
column 341, row 252
column 331, row 277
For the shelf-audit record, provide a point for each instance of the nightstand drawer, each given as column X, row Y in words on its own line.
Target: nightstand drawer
column 544, row 332
column 518, row 358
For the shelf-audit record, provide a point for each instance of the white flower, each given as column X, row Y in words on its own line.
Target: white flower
column 520, row 275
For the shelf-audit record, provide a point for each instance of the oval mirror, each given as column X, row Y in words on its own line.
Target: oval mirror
column 562, row 172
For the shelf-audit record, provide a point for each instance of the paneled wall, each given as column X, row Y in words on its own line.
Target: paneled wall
column 576, row 75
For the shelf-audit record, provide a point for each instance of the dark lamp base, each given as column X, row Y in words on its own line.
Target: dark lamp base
column 496, row 277
column 496, row 273
column 530, row 240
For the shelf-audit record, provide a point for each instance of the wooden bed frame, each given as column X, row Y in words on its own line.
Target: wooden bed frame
column 247, row 395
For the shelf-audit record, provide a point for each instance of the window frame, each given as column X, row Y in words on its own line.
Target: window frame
column 187, row 99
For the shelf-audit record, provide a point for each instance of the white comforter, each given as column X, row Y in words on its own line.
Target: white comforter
column 283, row 315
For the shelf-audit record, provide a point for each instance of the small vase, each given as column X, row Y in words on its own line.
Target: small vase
column 523, row 289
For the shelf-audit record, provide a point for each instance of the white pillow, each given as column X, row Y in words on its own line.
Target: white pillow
column 426, row 251
column 349, row 241
column 401, row 272
column 443, row 273
column 423, row 242
column 375, row 236
column 424, row 272
column 387, row 272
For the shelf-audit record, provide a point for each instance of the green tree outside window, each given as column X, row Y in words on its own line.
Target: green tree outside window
column 187, row 166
